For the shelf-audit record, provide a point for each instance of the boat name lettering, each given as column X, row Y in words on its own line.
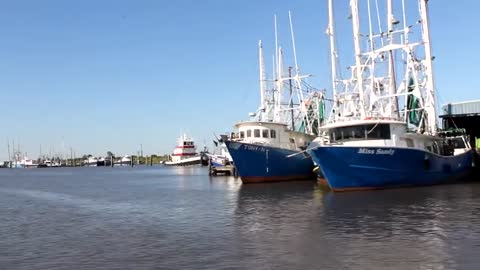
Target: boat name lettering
column 376, row 152
column 254, row 148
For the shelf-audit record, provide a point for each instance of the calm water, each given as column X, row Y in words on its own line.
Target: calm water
column 179, row 218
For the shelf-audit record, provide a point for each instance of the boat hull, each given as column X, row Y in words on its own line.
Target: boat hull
column 260, row 163
column 185, row 162
column 363, row 168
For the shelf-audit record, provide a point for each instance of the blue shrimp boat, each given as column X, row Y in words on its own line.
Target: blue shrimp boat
column 263, row 148
column 382, row 160
column 370, row 142
column 262, row 153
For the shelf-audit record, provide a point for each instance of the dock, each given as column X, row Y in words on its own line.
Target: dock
column 222, row 170
column 465, row 115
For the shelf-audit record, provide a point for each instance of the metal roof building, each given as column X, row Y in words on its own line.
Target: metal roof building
column 463, row 115
column 461, row 109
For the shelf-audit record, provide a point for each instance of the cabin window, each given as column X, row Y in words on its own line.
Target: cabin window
column 409, row 142
column 378, row 131
column 332, row 136
column 249, row 133
column 435, row 148
column 428, row 148
column 242, row 134
column 292, row 140
column 361, row 132
column 256, row 133
column 273, row 134
column 265, row 133
column 458, row 143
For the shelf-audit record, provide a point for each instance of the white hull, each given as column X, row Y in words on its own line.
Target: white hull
column 185, row 162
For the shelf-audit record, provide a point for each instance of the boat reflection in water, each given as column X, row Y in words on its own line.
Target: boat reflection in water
column 407, row 228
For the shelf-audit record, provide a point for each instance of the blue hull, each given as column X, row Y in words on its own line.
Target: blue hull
column 358, row 168
column 258, row 163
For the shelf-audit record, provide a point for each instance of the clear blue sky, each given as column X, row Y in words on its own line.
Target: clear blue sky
column 112, row 74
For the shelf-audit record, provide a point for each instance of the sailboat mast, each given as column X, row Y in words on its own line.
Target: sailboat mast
column 9, row 157
column 430, row 102
column 333, row 51
column 358, row 56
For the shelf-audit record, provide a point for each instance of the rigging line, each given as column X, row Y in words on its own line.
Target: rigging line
column 379, row 21
column 370, row 131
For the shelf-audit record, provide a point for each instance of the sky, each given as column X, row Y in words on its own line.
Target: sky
column 121, row 75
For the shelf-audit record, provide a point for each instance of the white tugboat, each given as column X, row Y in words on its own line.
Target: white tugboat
column 185, row 153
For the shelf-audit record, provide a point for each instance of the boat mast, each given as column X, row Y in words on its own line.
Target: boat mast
column 391, row 67
column 276, row 45
column 358, row 56
column 298, row 82
column 333, row 51
column 262, row 80
column 9, row 157
column 276, row 94
column 297, row 71
column 279, row 85
column 291, row 99
column 430, row 102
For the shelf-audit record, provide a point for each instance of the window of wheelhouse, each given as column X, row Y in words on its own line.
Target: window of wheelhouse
column 256, row 133
column 458, row 143
column 361, row 132
column 265, row 133
column 242, row 134
column 273, row 134
column 249, row 133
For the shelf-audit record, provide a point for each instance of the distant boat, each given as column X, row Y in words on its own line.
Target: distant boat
column 29, row 163
column 125, row 160
column 185, row 153
column 48, row 164
column 222, row 157
column 25, row 162
column 91, row 162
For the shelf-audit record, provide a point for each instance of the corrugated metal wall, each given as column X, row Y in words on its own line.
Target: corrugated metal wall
column 470, row 107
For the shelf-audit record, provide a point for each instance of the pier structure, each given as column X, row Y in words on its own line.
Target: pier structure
column 464, row 115
column 221, row 170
